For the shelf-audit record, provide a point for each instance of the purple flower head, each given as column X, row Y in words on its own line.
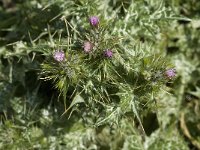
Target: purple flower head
column 87, row 46
column 94, row 21
column 108, row 53
column 170, row 73
column 59, row 55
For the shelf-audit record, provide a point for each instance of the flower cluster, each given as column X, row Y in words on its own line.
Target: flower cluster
column 88, row 46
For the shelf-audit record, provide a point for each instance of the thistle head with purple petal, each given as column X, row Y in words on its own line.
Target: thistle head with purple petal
column 87, row 46
column 59, row 55
column 94, row 21
column 170, row 73
column 108, row 53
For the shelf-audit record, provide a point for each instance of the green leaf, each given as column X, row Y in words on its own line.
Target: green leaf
column 77, row 99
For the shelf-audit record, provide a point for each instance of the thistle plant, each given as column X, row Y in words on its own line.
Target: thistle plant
column 103, row 74
column 112, row 81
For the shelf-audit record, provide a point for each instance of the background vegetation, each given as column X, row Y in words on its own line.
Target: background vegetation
column 126, row 103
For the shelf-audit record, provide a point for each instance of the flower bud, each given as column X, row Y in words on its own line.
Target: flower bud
column 59, row 55
column 108, row 53
column 94, row 21
column 87, row 46
column 170, row 73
